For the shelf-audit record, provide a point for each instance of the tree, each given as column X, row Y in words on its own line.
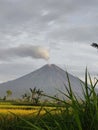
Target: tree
column 9, row 93
column 4, row 98
column 26, row 97
column 33, row 93
column 94, row 45
column 39, row 94
column 36, row 95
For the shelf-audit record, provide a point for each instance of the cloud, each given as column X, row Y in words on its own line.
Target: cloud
column 37, row 16
column 20, row 12
column 35, row 52
column 75, row 33
column 51, row 23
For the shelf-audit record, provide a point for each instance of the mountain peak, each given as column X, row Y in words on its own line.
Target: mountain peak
column 49, row 78
column 50, row 66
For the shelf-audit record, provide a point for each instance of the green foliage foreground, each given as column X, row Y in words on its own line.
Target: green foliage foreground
column 77, row 114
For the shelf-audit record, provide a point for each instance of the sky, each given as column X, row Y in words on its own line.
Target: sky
column 36, row 32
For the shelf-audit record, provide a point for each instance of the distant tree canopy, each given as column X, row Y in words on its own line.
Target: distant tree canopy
column 9, row 93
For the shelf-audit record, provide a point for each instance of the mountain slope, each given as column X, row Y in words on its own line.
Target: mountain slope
column 49, row 78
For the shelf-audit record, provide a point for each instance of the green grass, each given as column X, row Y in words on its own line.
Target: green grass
column 76, row 114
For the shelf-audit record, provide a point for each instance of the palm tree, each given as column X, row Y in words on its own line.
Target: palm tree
column 39, row 94
column 33, row 92
column 36, row 95
column 94, row 45
column 26, row 97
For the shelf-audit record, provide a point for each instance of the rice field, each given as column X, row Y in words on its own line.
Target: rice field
column 23, row 110
column 20, row 112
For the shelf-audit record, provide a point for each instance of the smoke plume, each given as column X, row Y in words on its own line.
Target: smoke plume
column 36, row 52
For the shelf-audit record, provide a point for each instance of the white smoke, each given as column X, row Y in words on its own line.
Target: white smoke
column 36, row 52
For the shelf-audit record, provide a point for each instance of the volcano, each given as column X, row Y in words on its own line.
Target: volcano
column 49, row 78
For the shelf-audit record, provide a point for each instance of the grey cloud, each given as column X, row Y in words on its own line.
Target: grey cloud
column 76, row 34
column 86, row 33
column 28, row 14
column 36, row 52
column 23, row 11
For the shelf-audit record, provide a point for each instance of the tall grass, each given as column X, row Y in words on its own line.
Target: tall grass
column 75, row 113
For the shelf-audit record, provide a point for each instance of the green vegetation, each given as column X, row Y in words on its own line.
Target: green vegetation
column 74, row 114
column 9, row 93
column 36, row 95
